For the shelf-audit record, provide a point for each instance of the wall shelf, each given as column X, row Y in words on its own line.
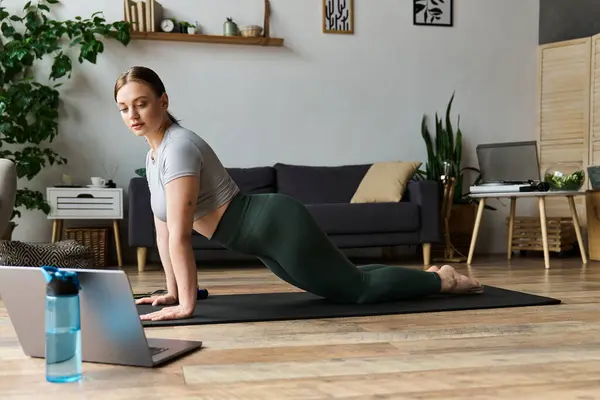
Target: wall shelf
column 199, row 38
column 264, row 40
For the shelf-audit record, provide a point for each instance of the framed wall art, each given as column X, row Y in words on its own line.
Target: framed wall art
column 338, row 16
column 433, row 12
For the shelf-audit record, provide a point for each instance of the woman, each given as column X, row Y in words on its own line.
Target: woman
column 191, row 190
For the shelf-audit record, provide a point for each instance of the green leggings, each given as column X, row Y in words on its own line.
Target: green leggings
column 282, row 233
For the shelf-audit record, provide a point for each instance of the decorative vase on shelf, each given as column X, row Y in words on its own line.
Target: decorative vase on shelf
column 565, row 176
column 230, row 28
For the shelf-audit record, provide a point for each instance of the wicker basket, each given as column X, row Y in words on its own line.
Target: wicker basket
column 95, row 238
column 527, row 234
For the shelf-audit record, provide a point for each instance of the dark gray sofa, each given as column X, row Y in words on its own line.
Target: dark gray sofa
column 326, row 191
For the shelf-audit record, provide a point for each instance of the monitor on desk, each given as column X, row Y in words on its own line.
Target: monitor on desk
column 509, row 162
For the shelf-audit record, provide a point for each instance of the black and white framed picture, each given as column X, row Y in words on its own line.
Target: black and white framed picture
column 432, row 12
column 338, row 16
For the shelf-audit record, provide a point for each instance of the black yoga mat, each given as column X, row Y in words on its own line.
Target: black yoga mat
column 219, row 309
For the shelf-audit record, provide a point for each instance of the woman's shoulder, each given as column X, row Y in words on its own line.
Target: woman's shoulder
column 176, row 129
column 182, row 142
column 180, row 133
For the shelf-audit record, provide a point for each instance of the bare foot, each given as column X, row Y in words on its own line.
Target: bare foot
column 456, row 283
column 433, row 268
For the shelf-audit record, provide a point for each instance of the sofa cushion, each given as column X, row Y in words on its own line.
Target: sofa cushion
column 255, row 179
column 319, row 184
column 385, row 182
column 366, row 217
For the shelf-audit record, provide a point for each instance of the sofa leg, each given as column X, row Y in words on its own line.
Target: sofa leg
column 426, row 253
column 142, row 255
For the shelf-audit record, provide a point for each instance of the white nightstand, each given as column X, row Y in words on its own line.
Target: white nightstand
column 86, row 203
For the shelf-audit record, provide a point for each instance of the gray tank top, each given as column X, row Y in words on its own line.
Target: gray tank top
column 184, row 153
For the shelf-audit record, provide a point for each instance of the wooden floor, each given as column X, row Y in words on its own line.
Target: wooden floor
column 520, row 353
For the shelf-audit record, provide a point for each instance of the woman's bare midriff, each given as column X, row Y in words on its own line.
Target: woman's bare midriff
column 207, row 224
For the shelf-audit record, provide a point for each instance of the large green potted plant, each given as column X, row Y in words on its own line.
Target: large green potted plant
column 446, row 146
column 28, row 106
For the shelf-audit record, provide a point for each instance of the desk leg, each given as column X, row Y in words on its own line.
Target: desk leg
column 542, row 204
column 118, row 242
column 511, row 224
column 476, row 229
column 577, row 228
column 57, row 228
column 54, row 230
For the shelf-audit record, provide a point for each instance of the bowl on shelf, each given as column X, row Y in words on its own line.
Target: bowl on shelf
column 251, row 31
column 565, row 176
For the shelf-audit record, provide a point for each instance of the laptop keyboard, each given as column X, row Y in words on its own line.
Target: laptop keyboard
column 155, row 350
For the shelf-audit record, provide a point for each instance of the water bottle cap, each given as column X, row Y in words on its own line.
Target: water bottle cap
column 61, row 283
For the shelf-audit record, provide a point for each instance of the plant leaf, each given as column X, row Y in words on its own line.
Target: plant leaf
column 449, row 127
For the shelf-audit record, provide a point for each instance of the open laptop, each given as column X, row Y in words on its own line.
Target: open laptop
column 111, row 329
column 507, row 166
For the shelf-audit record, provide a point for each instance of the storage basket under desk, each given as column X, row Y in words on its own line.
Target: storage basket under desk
column 95, row 238
column 527, row 234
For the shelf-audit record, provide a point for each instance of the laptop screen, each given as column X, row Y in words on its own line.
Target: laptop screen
column 508, row 162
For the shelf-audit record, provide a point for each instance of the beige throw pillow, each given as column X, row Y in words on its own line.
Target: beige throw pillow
column 385, row 182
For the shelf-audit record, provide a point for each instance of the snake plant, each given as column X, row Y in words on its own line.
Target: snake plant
column 446, row 146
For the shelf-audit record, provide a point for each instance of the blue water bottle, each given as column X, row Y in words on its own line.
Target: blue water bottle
column 63, row 328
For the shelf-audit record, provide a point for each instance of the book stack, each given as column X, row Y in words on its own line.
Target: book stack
column 143, row 15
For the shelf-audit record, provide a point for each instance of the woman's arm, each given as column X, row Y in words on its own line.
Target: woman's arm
column 180, row 172
column 181, row 197
column 162, row 242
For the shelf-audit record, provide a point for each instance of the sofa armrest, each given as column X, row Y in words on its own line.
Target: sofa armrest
column 141, row 218
column 427, row 194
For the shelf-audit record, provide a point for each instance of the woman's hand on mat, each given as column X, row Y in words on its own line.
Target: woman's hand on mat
column 175, row 312
column 166, row 299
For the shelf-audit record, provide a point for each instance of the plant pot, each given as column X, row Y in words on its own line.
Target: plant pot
column 191, row 30
column 8, row 232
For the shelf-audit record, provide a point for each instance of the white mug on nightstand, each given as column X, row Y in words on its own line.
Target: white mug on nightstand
column 97, row 181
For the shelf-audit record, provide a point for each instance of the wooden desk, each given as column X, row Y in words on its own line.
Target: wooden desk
column 541, row 196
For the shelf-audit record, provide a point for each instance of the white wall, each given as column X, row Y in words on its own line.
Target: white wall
column 323, row 99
